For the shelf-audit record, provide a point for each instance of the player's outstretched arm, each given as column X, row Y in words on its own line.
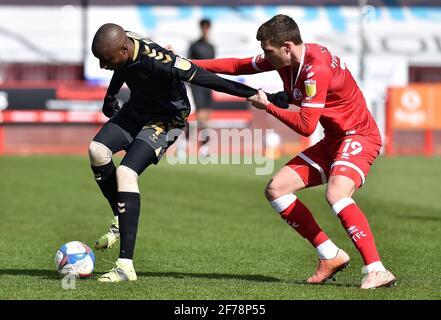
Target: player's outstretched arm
column 235, row 66
column 230, row 66
column 210, row 80
column 185, row 70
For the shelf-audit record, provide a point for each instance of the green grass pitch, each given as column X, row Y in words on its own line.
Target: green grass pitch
column 207, row 232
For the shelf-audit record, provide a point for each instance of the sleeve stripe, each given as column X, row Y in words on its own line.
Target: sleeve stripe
column 191, row 77
column 313, row 105
column 255, row 64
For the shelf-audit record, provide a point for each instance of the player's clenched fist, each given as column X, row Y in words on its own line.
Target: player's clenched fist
column 259, row 100
column 110, row 106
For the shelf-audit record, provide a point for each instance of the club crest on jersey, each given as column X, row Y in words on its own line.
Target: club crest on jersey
column 310, row 88
column 182, row 64
column 297, row 94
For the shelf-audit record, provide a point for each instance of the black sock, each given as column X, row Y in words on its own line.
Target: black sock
column 129, row 208
column 105, row 176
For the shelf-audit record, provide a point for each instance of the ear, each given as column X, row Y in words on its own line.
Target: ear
column 125, row 48
column 287, row 45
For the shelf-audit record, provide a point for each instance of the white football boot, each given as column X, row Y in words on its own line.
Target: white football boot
column 123, row 271
column 110, row 238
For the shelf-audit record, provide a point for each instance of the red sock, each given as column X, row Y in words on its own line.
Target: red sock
column 356, row 225
column 298, row 216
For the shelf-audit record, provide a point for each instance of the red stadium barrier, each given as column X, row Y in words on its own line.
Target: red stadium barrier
column 70, row 132
column 45, row 116
column 62, row 118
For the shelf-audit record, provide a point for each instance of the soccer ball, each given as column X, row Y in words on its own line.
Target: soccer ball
column 75, row 258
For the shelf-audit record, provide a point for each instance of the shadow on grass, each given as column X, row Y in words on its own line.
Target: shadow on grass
column 326, row 284
column 53, row 275
column 43, row 273
column 420, row 218
column 221, row 276
column 251, row 277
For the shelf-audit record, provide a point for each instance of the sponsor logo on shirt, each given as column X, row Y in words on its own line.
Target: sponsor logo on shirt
column 182, row 64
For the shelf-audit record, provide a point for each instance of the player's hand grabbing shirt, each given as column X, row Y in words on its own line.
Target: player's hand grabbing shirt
column 321, row 86
column 155, row 77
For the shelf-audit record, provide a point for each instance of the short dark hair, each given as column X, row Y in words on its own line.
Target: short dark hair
column 279, row 29
column 206, row 22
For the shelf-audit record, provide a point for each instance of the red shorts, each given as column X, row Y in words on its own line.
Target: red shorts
column 350, row 156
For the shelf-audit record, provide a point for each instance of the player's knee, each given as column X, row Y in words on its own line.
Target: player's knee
column 99, row 154
column 127, row 179
column 269, row 192
column 333, row 195
column 274, row 189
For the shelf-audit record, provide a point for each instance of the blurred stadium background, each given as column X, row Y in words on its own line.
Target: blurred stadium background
column 207, row 232
column 51, row 86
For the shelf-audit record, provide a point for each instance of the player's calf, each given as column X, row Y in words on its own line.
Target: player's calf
column 104, row 170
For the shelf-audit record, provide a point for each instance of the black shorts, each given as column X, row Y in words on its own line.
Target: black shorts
column 156, row 131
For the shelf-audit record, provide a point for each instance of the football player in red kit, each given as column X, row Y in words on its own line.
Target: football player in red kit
column 324, row 91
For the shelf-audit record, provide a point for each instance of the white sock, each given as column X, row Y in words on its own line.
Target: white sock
column 327, row 250
column 374, row 266
column 283, row 202
column 126, row 262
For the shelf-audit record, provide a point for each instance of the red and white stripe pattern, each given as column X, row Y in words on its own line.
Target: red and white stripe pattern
column 282, row 203
column 340, row 205
column 350, row 165
column 254, row 63
column 313, row 105
column 313, row 164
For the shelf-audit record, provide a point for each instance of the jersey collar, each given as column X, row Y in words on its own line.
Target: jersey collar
column 302, row 59
column 135, row 61
column 136, row 49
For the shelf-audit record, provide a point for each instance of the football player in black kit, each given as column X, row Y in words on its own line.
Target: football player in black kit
column 142, row 127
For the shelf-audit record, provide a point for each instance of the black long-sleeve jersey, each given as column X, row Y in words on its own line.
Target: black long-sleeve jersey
column 155, row 79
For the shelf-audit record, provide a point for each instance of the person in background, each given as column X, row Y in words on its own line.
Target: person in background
column 202, row 49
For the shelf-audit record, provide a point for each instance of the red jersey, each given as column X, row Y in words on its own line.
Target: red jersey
column 321, row 86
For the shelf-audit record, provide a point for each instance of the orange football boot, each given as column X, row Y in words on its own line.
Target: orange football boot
column 377, row 279
column 327, row 268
